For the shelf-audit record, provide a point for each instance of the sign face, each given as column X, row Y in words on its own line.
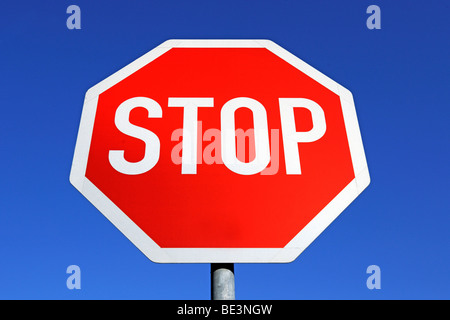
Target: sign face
column 219, row 151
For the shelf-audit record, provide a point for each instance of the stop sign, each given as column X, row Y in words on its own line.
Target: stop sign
column 219, row 151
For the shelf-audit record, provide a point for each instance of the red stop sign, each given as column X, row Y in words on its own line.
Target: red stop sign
column 219, row 151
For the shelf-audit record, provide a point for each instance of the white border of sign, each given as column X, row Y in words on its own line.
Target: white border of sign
column 215, row 255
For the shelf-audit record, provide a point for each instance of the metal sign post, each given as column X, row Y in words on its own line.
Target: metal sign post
column 222, row 281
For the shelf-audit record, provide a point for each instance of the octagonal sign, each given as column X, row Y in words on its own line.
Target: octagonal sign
column 219, row 151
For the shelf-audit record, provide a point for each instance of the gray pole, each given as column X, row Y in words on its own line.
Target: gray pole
column 222, row 281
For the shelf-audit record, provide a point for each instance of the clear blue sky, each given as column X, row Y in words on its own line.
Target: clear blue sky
column 400, row 79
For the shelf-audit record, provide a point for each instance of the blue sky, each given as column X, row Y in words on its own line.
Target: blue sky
column 400, row 79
